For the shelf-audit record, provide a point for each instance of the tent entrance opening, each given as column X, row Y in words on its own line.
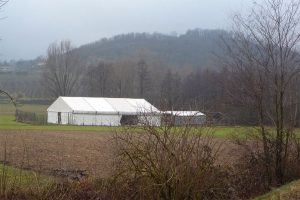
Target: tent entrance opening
column 59, row 117
column 129, row 120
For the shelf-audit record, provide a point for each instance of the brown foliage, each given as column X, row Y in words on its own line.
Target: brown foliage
column 253, row 174
column 169, row 163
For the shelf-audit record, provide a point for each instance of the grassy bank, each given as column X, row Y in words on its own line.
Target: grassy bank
column 289, row 191
column 12, row 178
column 8, row 122
column 9, row 108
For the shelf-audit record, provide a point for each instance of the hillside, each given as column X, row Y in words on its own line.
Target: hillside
column 187, row 53
column 196, row 48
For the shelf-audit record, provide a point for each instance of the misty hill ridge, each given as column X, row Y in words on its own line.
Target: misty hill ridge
column 194, row 48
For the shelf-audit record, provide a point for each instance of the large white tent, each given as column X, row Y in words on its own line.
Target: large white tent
column 101, row 111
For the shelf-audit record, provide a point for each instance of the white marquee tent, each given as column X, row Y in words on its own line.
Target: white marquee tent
column 101, row 111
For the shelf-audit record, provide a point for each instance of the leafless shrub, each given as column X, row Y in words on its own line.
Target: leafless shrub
column 264, row 71
column 169, row 162
column 253, row 174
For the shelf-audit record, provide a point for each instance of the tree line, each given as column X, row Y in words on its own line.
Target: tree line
column 137, row 77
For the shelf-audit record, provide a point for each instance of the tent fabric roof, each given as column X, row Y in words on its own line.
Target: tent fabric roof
column 105, row 105
column 184, row 113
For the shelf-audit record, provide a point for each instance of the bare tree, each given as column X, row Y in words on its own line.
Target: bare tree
column 61, row 69
column 264, row 66
column 2, row 92
column 125, row 78
column 170, row 90
column 98, row 77
column 169, row 162
column 143, row 77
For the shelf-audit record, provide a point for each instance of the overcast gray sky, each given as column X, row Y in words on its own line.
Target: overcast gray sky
column 31, row 25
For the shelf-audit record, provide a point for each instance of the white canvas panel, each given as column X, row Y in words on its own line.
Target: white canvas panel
column 151, row 120
column 185, row 113
column 89, row 120
column 121, row 105
column 64, row 118
column 142, row 106
column 52, row 117
column 78, row 104
column 83, row 119
column 100, row 105
column 96, row 120
column 59, row 106
column 108, row 120
column 77, row 119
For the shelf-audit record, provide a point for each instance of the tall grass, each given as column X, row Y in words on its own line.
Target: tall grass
column 14, row 180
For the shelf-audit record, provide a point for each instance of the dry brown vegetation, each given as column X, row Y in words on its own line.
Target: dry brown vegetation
column 74, row 155
column 71, row 155
column 170, row 162
column 50, row 151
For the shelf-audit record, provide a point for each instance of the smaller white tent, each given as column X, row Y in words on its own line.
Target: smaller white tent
column 184, row 117
column 102, row 111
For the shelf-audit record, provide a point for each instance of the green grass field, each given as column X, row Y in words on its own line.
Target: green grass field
column 12, row 178
column 9, row 109
column 8, row 122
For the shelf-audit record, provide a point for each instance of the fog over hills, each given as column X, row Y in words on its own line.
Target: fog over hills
column 197, row 48
column 186, row 55
column 28, row 27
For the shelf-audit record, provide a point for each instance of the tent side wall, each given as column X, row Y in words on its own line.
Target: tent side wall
column 64, row 118
column 58, row 106
column 153, row 120
column 192, row 120
column 54, row 116
column 95, row 119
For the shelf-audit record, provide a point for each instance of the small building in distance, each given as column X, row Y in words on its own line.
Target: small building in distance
column 102, row 111
column 178, row 118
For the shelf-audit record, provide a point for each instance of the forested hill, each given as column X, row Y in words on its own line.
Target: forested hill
column 195, row 48
column 180, row 70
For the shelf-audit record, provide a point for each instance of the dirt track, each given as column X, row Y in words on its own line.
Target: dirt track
column 47, row 151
